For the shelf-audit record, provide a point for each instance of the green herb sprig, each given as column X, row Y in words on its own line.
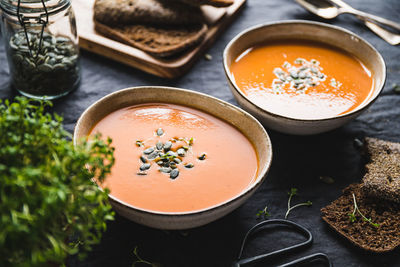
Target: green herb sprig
column 292, row 193
column 353, row 218
column 139, row 260
column 263, row 213
column 47, row 193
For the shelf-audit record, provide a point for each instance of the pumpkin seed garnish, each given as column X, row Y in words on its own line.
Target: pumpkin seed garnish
column 189, row 165
column 143, row 159
column 145, row 166
column 167, row 146
column 149, row 150
column 181, row 152
column 153, row 155
column 159, row 145
column 202, row 157
column 177, row 160
column 160, row 132
column 165, row 169
column 174, row 174
column 141, row 173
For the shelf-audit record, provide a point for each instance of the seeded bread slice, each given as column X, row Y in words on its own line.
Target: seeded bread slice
column 380, row 239
column 119, row 12
column 216, row 3
column 382, row 178
column 157, row 41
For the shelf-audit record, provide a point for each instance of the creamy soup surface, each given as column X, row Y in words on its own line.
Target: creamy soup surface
column 229, row 164
column 302, row 80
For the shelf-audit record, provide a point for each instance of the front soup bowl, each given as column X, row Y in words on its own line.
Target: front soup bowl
column 224, row 111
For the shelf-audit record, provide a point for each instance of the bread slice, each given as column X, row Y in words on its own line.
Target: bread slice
column 157, row 41
column 382, row 178
column 380, row 239
column 121, row 12
column 216, row 3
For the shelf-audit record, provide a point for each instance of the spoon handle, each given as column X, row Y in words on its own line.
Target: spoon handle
column 345, row 8
column 391, row 38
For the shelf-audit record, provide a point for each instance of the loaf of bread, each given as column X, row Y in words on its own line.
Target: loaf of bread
column 155, row 12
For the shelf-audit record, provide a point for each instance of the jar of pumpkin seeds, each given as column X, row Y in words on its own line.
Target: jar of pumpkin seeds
column 42, row 46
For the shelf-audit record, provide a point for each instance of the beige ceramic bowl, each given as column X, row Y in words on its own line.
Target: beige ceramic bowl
column 304, row 30
column 240, row 119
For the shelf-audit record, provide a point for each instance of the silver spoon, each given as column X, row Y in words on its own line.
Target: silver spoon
column 330, row 9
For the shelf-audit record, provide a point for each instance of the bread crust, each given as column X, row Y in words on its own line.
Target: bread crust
column 118, row 12
column 157, row 41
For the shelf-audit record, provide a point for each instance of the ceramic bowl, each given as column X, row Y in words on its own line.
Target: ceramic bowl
column 304, row 30
column 235, row 116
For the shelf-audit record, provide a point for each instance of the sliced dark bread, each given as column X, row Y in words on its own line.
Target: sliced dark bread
column 380, row 239
column 382, row 178
column 216, row 3
column 157, row 41
column 121, row 12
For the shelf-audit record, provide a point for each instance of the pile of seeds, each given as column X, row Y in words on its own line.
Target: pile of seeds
column 300, row 76
column 163, row 155
column 51, row 70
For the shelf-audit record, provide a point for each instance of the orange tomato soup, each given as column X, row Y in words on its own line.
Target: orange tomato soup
column 224, row 162
column 302, row 79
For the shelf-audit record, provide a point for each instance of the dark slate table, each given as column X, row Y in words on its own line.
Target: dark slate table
column 298, row 161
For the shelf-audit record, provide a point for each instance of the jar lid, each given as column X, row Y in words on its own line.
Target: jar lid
column 33, row 7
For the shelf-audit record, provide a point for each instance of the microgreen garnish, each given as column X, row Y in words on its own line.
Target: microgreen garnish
column 292, row 193
column 191, row 140
column 353, row 218
column 140, row 261
column 396, row 88
column 263, row 213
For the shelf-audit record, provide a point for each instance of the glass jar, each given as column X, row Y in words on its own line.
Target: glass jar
column 42, row 46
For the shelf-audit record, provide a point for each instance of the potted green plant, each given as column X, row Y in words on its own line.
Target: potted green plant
column 50, row 206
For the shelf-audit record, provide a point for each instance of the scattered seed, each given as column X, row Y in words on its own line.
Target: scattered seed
column 159, row 145
column 174, row 173
column 171, row 154
column 143, row 159
column 327, row 179
column 160, row 162
column 145, row 166
column 202, row 157
column 160, row 132
column 141, row 173
column 189, row 165
column 149, row 150
column 358, row 144
column 208, row 57
column 186, row 148
column 177, row 160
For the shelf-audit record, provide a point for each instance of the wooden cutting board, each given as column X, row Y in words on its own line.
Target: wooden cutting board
column 217, row 19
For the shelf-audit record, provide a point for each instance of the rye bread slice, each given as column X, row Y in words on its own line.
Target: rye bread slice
column 157, row 41
column 216, row 3
column 382, row 178
column 121, row 12
column 380, row 239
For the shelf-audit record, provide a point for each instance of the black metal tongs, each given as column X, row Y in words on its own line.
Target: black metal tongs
column 292, row 225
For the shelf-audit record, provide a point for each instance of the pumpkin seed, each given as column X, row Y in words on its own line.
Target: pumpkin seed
column 174, row 174
column 159, row 145
column 167, row 146
column 202, row 157
column 160, row 162
column 181, row 152
column 148, row 150
column 189, row 165
column 177, row 160
column 160, row 132
column 143, row 159
column 141, row 173
column 165, row 169
column 153, row 155
column 145, row 166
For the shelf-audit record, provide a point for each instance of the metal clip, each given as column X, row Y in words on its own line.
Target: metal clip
column 39, row 20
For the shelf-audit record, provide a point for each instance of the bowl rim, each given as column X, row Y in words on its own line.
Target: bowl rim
column 358, row 109
column 262, row 173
